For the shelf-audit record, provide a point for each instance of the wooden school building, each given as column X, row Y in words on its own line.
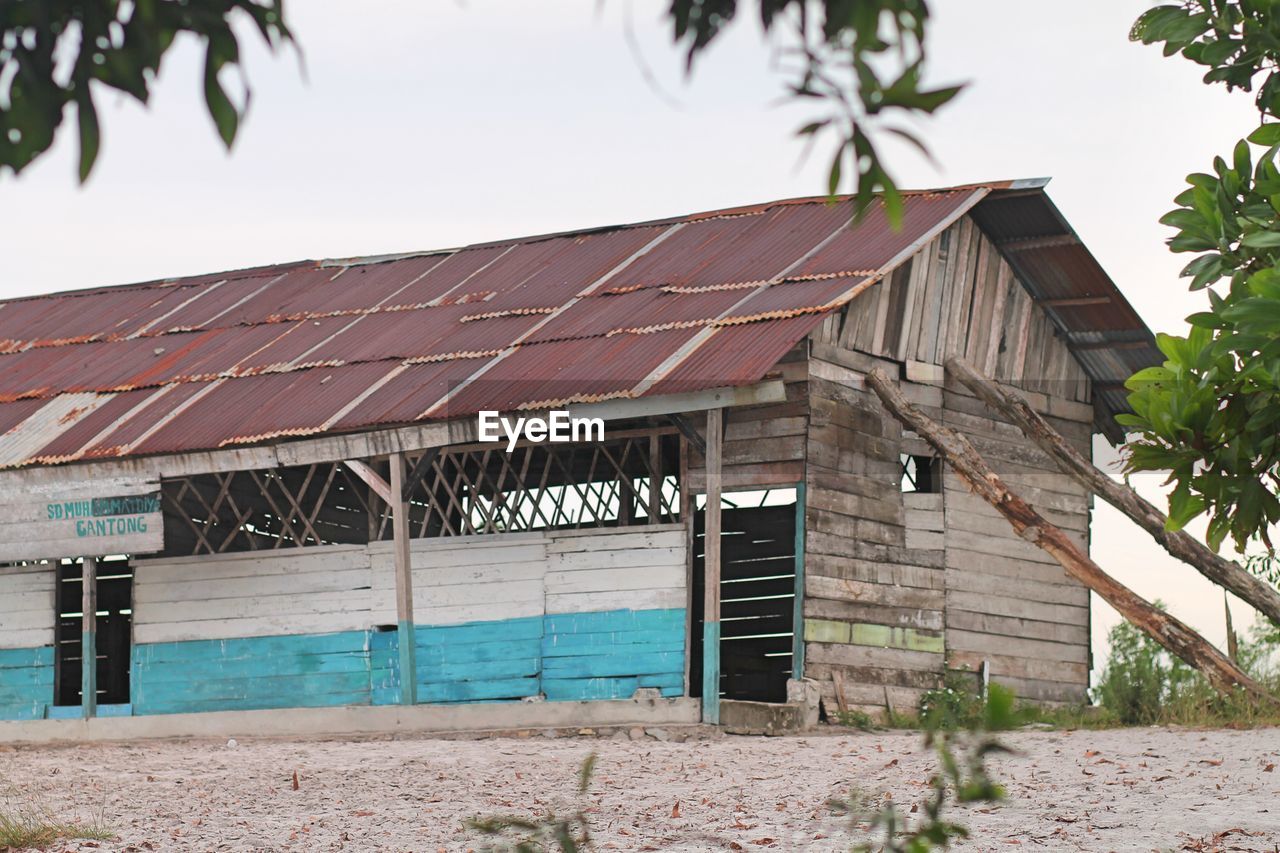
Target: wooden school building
column 266, row 489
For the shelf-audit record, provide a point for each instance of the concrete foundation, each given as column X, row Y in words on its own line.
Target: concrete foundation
column 761, row 718
column 359, row 720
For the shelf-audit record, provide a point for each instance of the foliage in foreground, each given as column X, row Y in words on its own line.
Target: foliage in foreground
column 864, row 60
column 1143, row 685
column 29, row 826
column 1210, row 415
column 567, row 833
column 962, row 777
column 60, row 54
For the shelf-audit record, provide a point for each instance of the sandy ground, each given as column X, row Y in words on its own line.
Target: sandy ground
column 1136, row 789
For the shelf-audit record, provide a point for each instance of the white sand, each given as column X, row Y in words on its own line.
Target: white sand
column 1135, row 789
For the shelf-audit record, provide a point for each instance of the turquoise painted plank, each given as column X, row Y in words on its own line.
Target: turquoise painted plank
column 73, row 712
column 26, row 682
column 672, row 644
column 246, row 692
column 612, row 620
column 482, row 671
column 608, row 665
column 469, row 691
column 252, row 672
column 477, row 652
column 252, row 647
column 32, row 676
column 338, row 662
column 31, row 710
column 407, row 652
column 185, row 706
column 586, row 689
column 22, row 658
column 383, row 640
column 665, row 681
column 592, row 643
column 711, row 672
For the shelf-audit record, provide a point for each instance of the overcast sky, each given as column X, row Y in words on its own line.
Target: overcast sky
column 428, row 125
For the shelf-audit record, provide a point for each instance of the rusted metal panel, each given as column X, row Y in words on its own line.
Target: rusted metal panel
column 700, row 301
column 731, row 352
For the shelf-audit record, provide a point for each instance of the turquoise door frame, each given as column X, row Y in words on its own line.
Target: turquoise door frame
column 711, row 628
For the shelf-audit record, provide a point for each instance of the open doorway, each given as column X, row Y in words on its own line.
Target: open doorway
column 757, row 594
column 114, row 631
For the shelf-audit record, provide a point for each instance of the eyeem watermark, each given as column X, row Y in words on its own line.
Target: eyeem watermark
column 559, row 427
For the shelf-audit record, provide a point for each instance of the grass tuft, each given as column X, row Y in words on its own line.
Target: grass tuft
column 32, row 827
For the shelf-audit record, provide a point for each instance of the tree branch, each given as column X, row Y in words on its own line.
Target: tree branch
column 1180, row 544
column 1171, row 633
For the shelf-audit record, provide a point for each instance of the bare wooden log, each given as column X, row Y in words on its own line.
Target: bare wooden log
column 1171, row 633
column 1179, row 544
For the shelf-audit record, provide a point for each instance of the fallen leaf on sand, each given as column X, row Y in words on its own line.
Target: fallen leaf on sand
column 295, row 780
column 1268, row 768
column 1212, row 762
column 675, row 810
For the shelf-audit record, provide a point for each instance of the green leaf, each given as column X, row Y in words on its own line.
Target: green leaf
column 1262, row 240
column 87, row 116
column 1267, row 134
column 221, row 110
column 1183, row 506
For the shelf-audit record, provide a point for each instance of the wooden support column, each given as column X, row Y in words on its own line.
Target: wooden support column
column 404, row 584
column 655, row 479
column 711, row 574
column 89, row 638
column 687, row 511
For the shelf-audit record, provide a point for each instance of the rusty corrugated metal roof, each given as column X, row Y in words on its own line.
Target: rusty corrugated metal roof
column 706, row 300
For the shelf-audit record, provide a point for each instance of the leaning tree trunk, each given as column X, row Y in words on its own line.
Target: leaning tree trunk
column 1178, row 543
column 1171, row 633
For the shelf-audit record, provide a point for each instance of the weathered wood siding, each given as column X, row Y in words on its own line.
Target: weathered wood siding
column 567, row 614
column 252, row 594
column 958, row 296
column 588, row 614
column 81, row 518
column 26, row 640
column 763, row 445
column 1008, row 602
column 901, row 587
column 874, row 581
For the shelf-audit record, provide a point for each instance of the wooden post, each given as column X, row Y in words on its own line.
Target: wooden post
column 655, row 479
column 711, row 574
column 404, row 584
column 687, row 510
column 1173, row 634
column 1178, row 543
column 89, row 638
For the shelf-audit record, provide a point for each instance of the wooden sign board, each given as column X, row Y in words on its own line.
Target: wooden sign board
column 90, row 518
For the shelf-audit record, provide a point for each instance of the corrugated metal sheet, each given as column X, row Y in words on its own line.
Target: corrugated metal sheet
column 706, row 300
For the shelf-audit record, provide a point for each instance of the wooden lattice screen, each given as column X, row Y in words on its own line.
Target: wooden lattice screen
column 632, row 478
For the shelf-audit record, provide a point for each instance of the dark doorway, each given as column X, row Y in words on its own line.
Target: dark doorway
column 114, row 630
column 757, row 596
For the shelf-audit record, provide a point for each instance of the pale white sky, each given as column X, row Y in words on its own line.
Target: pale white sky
column 425, row 125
